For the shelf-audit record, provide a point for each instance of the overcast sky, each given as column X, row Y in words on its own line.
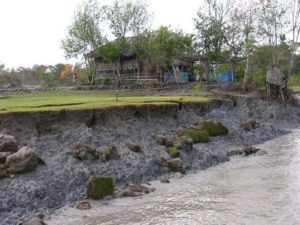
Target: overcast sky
column 32, row 30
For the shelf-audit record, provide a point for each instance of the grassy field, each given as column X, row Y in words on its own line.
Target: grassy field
column 295, row 88
column 69, row 100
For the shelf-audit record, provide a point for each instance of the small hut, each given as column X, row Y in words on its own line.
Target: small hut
column 275, row 77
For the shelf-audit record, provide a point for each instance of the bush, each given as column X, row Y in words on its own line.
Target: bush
column 294, row 80
column 196, row 134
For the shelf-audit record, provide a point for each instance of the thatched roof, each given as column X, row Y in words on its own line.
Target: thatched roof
column 275, row 76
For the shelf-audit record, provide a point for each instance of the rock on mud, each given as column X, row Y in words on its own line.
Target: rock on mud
column 132, row 146
column 133, row 190
column 35, row 221
column 24, row 160
column 8, row 143
column 84, row 152
column 99, row 187
column 109, row 153
column 82, row 205
column 3, row 156
column 175, row 165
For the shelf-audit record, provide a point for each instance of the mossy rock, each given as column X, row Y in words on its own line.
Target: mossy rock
column 99, row 186
column 175, row 165
column 109, row 153
column 197, row 135
column 214, row 128
column 173, row 152
column 249, row 125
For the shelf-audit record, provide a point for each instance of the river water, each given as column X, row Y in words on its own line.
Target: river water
column 246, row 190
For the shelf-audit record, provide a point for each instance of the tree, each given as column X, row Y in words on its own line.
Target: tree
column 273, row 23
column 294, row 13
column 67, row 71
column 210, row 24
column 128, row 19
column 244, row 20
column 167, row 45
column 85, row 35
column 2, row 66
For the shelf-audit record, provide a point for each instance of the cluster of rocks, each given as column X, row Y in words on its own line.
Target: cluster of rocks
column 14, row 160
column 184, row 141
column 110, row 152
column 245, row 150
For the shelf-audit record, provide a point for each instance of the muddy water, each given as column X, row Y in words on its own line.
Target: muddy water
column 247, row 190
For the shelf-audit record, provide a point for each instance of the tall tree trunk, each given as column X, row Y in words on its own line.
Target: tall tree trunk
column 246, row 71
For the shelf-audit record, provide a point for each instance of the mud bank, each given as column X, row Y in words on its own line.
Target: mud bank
column 62, row 180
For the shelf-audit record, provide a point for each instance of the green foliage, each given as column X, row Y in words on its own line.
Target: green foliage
column 294, row 80
column 49, row 80
column 197, row 135
column 166, row 45
column 128, row 17
column 173, row 152
column 99, row 187
column 103, row 81
column 110, row 52
column 1, row 81
column 85, row 34
column 214, row 128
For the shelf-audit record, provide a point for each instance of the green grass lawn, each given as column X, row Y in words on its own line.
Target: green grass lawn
column 69, row 100
column 295, row 88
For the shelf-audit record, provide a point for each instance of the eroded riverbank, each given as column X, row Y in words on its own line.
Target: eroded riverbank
column 62, row 180
column 258, row 190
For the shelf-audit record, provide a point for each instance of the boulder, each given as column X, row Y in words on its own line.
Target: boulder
column 109, row 153
column 3, row 156
column 195, row 134
column 82, row 205
column 132, row 146
column 184, row 143
column 8, row 143
column 24, row 160
column 133, row 190
column 214, row 128
column 38, row 220
column 163, row 140
column 249, row 125
column 165, row 181
column 3, row 173
column 173, row 152
column 175, row 165
column 161, row 161
column 84, row 152
column 249, row 149
column 99, row 187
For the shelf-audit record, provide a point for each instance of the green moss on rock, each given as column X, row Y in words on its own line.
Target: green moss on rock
column 214, row 128
column 99, row 186
column 197, row 135
column 173, row 152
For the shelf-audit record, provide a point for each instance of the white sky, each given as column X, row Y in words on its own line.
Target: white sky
column 32, row 30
